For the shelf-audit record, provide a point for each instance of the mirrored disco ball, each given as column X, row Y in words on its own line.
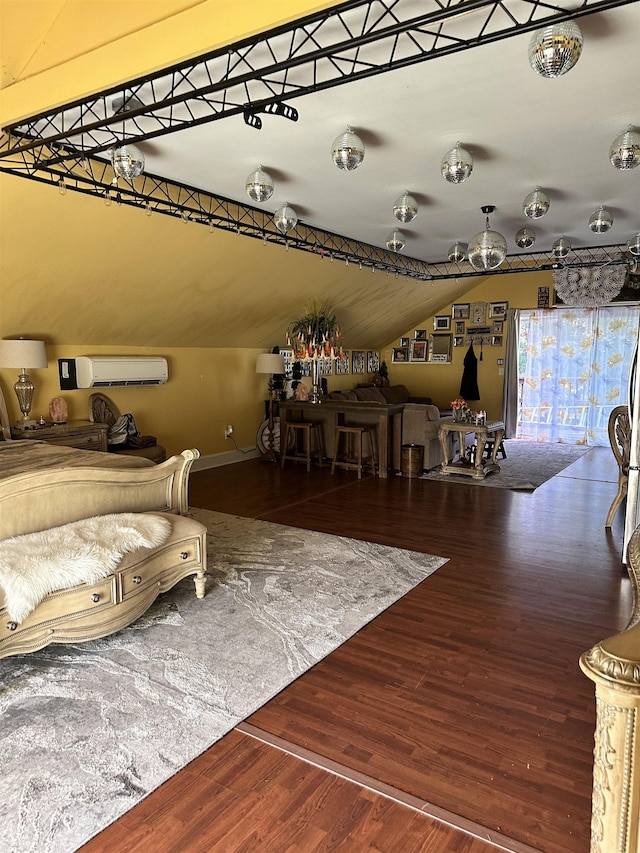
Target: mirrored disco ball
column 127, row 161
column 554, row 50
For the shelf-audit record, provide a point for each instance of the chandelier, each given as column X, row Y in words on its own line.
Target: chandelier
column 589, row 287
column 315, row 336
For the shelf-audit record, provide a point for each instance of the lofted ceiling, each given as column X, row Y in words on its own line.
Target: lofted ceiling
column 522, row 130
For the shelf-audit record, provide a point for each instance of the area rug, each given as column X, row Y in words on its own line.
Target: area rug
column 89, row 729
column 528, row 465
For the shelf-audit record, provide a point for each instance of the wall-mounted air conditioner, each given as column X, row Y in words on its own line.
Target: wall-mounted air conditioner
column 104, row 371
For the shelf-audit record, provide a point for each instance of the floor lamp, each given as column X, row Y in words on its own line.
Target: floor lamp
column 271, row 363
column 24, row 354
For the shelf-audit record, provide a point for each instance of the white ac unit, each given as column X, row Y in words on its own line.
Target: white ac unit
column 104, row 371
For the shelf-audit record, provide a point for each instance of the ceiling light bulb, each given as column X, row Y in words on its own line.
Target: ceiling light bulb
column 259, row 185
column 555, row 49
column 406, row 207
column 561, row 247
column 600, row 221
column 395, row 241
column 633, row 245
column 285, row 218
column 536, row 204
column 456, row 165
column 347, row 151
column 487, row 249
column 457, row 252
column 624, row 152
column 525, row 237
column 127, row 161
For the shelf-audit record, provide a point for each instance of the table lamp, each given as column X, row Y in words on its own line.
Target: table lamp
column 23, row 353
column 270, row 362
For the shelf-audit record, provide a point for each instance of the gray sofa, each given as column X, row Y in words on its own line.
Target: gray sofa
column 420, row 418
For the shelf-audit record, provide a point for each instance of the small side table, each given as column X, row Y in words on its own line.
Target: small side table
column 84, row 435
column 482, row 466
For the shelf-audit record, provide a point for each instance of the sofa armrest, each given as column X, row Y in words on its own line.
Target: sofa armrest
column 423, row 400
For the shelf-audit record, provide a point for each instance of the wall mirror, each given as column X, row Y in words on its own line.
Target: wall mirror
column 439, row 349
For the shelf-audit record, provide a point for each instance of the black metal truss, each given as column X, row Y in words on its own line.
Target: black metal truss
column 154, row 194
column 346, row 42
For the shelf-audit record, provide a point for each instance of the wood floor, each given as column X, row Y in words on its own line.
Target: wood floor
column 458, row 720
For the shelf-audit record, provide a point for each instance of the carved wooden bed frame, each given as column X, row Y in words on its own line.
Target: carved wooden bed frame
column 40, row 500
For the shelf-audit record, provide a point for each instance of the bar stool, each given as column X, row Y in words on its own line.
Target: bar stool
column 298, row 443
column 349, row 449
column 488, row 448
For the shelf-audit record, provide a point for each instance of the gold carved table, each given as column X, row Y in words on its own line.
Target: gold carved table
column 459, row 465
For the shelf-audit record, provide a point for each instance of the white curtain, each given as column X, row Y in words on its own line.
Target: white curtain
column 574, row 366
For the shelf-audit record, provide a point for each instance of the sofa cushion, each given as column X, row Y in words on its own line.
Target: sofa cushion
column 395, row 394
column 370, row 394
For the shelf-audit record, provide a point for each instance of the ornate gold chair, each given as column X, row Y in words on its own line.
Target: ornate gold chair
column 620, row 440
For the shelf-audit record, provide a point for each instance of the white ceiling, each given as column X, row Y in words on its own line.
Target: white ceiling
column 523, row 131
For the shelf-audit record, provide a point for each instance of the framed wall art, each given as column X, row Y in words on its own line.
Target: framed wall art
column 498, row 326
column 420, row 335
column 441, row 323
column 400, row 355
column 373, row 361
column 461, row 311
column 325, row 366
column 357, row 361
column 460, row 327
column 498, row 310
column 343, row 365
column 404, row 342
column 496, row 341
column 418, row 351
column 478, row 314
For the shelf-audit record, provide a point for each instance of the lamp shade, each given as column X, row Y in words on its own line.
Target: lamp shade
column 23, row 353
column 270, row 362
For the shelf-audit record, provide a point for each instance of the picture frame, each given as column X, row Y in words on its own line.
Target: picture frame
column 478, row 313
column 305, row 368
column 357, row 361
column 287, row 356
column 325, row 366
column 498, row 327
column 441, row 323
column 458, row 340
column 418, row 351
column 420, row 335
column 496, row 341
column 373, row 361
column 400, row 355
column 461, row 310
column 343, row 365
column 498, row 310
column 460, row 327
column 404, row 342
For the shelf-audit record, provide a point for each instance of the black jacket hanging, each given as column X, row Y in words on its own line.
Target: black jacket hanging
column 469, row 383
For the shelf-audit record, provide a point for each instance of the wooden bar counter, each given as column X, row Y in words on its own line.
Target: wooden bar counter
column 386, row 418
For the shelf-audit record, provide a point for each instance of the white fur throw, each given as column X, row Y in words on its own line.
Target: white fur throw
column 33, row 565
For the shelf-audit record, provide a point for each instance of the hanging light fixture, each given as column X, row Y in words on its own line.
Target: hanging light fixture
column 536, row 204
column 633, row 245
column 395, row 241
column 600, row 220
column 525, row 237
column 487, row 249
column 285, row 218
column 406, row 207
column 456, row 165
column 555, row 49
column 458, row 252
column 347, row 151
column 589, row 287
column 561, row 247
column 259, row 185
column 624, row 152
column 127, row 161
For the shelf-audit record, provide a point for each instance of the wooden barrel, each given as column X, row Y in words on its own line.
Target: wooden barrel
column 412, row 460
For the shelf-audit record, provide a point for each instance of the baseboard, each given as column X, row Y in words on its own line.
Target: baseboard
column 217, row 460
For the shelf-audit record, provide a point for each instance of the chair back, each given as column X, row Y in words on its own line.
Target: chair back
column 620, row 437
column 102, row 410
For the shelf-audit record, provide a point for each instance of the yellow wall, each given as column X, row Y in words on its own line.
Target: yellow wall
column 441, row 382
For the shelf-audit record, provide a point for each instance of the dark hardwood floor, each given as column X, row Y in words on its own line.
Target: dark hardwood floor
column 458, row 720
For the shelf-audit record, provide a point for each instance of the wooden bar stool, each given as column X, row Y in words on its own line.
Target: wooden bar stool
column 299, row 443
column 349, row 449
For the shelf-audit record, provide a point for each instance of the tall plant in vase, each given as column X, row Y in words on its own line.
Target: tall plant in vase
column 314, row 336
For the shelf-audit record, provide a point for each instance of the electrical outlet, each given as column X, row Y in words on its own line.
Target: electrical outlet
column 228, row 431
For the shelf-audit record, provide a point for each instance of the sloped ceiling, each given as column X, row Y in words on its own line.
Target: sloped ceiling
column 111, row 275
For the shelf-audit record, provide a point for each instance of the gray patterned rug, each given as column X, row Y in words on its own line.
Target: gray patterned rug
column 89, row 729
column 528, row 465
